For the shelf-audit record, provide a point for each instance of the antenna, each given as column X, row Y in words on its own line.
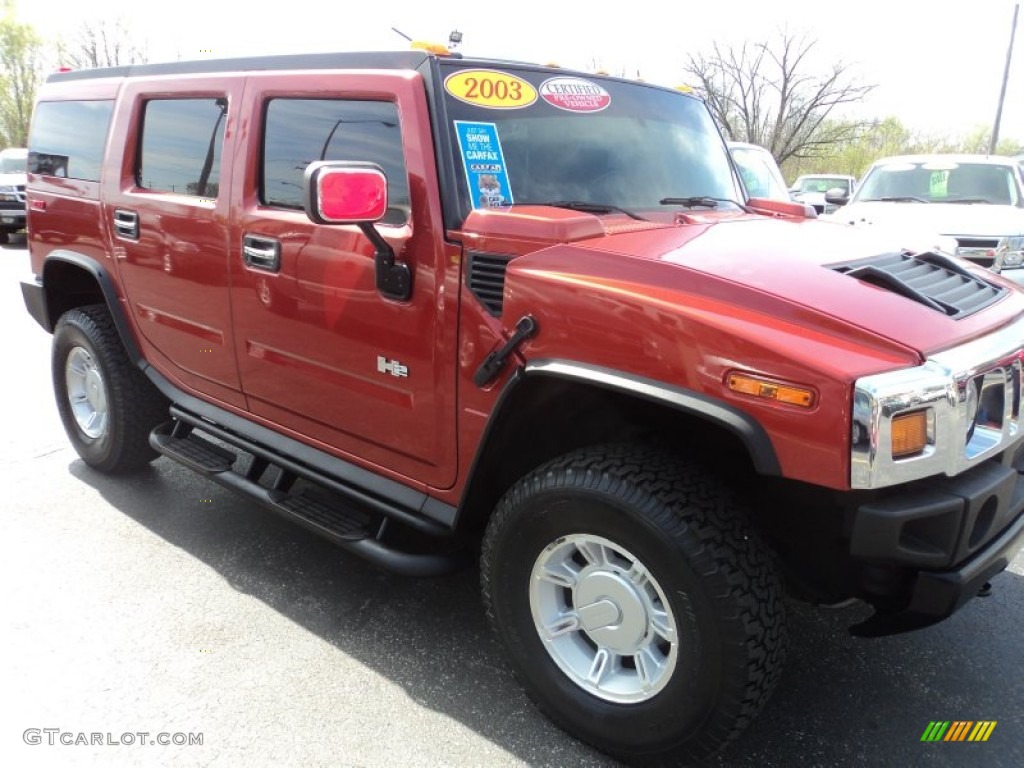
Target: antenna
column 400, row 32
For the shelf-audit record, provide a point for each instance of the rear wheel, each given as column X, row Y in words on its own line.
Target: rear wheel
column 640, row 610
column 106, row 403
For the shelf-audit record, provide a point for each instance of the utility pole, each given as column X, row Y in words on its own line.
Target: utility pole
column 1002, row 91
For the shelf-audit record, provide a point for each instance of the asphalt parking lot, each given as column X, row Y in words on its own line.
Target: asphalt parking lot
column 164, row 605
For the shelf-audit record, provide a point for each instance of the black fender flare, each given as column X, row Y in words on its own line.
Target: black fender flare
column 108, row 288
column 747, row 430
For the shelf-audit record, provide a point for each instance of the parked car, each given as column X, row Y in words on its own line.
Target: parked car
column 758, row 170
column 13, row 164
column 437, row 309
column 811, row 189
column 976, row 199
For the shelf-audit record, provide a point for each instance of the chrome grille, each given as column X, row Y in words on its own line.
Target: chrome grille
column 964, row 436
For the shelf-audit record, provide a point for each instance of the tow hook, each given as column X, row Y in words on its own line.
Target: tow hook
column 986, row 590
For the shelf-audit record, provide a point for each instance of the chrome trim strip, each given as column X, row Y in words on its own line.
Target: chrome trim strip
column 940, row 385
column 747, row 429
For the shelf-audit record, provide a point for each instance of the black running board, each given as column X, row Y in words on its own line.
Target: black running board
column 355, row 527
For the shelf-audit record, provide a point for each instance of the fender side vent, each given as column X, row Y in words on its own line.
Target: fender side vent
column 486, row 279
column 933, row 279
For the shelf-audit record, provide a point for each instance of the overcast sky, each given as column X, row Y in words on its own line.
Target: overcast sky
column 938, row 65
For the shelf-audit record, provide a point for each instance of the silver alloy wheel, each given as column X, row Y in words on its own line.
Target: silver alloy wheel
column 603, row 618
column 87, row 392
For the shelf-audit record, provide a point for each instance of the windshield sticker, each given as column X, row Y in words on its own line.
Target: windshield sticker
column 490, row 88
column 484, row 162
column 574, row 94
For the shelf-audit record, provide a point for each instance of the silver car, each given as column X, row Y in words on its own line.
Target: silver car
column 976, row 199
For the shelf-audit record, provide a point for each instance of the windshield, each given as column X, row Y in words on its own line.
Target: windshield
column 941, row 181
column 822, row 184
column 14, row 163
column 760, row 173
column 522, row 136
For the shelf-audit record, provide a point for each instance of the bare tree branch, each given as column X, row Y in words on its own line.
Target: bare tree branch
column 102, row 44
column 767, row 94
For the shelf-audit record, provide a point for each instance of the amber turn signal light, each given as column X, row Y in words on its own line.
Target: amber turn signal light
column 771, row 390
column 909, row 433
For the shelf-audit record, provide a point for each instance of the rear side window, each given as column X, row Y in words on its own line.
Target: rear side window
column 182, row 141
column 301, row 131
column 68, row 138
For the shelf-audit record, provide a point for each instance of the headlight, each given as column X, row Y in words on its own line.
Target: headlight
column 1009, row 253
column 8, row 192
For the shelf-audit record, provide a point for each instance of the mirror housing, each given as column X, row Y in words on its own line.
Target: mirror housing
column 336, row 192
column 345, row 193
column 837, row 196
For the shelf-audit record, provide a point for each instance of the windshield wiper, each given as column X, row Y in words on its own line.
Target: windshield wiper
column 902, row 199
column 699, row 201
column 586, row 207
column 969, row 200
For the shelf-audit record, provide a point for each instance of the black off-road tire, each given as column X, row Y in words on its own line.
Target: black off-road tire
column 134, row 406
column 718, row 578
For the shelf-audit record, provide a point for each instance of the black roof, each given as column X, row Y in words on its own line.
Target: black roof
column 348, row 60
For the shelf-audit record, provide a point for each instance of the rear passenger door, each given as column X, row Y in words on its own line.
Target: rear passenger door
column 167, row 212
column 321, row 351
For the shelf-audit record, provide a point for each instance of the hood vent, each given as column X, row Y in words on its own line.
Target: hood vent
column 932, row 279
column 486, row 279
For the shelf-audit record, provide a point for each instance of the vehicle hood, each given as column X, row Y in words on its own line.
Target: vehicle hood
column 13, row 179
column 777, row 268
column 958, row 220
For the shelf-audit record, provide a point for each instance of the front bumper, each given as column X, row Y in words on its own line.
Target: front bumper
column 12, row 220
column 925, row 552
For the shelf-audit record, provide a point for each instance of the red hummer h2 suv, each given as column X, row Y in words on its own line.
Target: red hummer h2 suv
column 435, row 308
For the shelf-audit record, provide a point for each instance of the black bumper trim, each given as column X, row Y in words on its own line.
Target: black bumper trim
column 35, row 303
column 938, row 594
column 941, row 525
column 928, row 550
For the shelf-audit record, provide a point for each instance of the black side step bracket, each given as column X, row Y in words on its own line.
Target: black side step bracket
column 349, row 522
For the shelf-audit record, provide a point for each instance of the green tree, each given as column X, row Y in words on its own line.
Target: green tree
column 21, row 51
column 863, row 144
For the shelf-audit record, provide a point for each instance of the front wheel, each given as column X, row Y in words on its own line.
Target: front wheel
column 106, row 403
column 640, row 610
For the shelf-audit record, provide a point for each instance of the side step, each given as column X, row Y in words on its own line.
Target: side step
column 356, row 529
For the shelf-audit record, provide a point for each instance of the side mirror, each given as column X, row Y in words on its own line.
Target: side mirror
column 837, row 196
column 337, row 192
column 345, row 193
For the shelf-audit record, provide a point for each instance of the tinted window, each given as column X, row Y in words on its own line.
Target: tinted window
column 181, row 146
column 570, row 138
column 68, row 138
column 301, row 131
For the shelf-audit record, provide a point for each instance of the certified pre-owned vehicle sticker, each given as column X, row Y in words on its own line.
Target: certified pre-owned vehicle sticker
column 484, row 162
column 574, row 94
column 490, row 88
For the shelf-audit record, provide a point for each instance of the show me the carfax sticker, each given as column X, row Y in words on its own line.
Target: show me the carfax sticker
column 490, row 88
column 484, row 163
column 574, row 94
